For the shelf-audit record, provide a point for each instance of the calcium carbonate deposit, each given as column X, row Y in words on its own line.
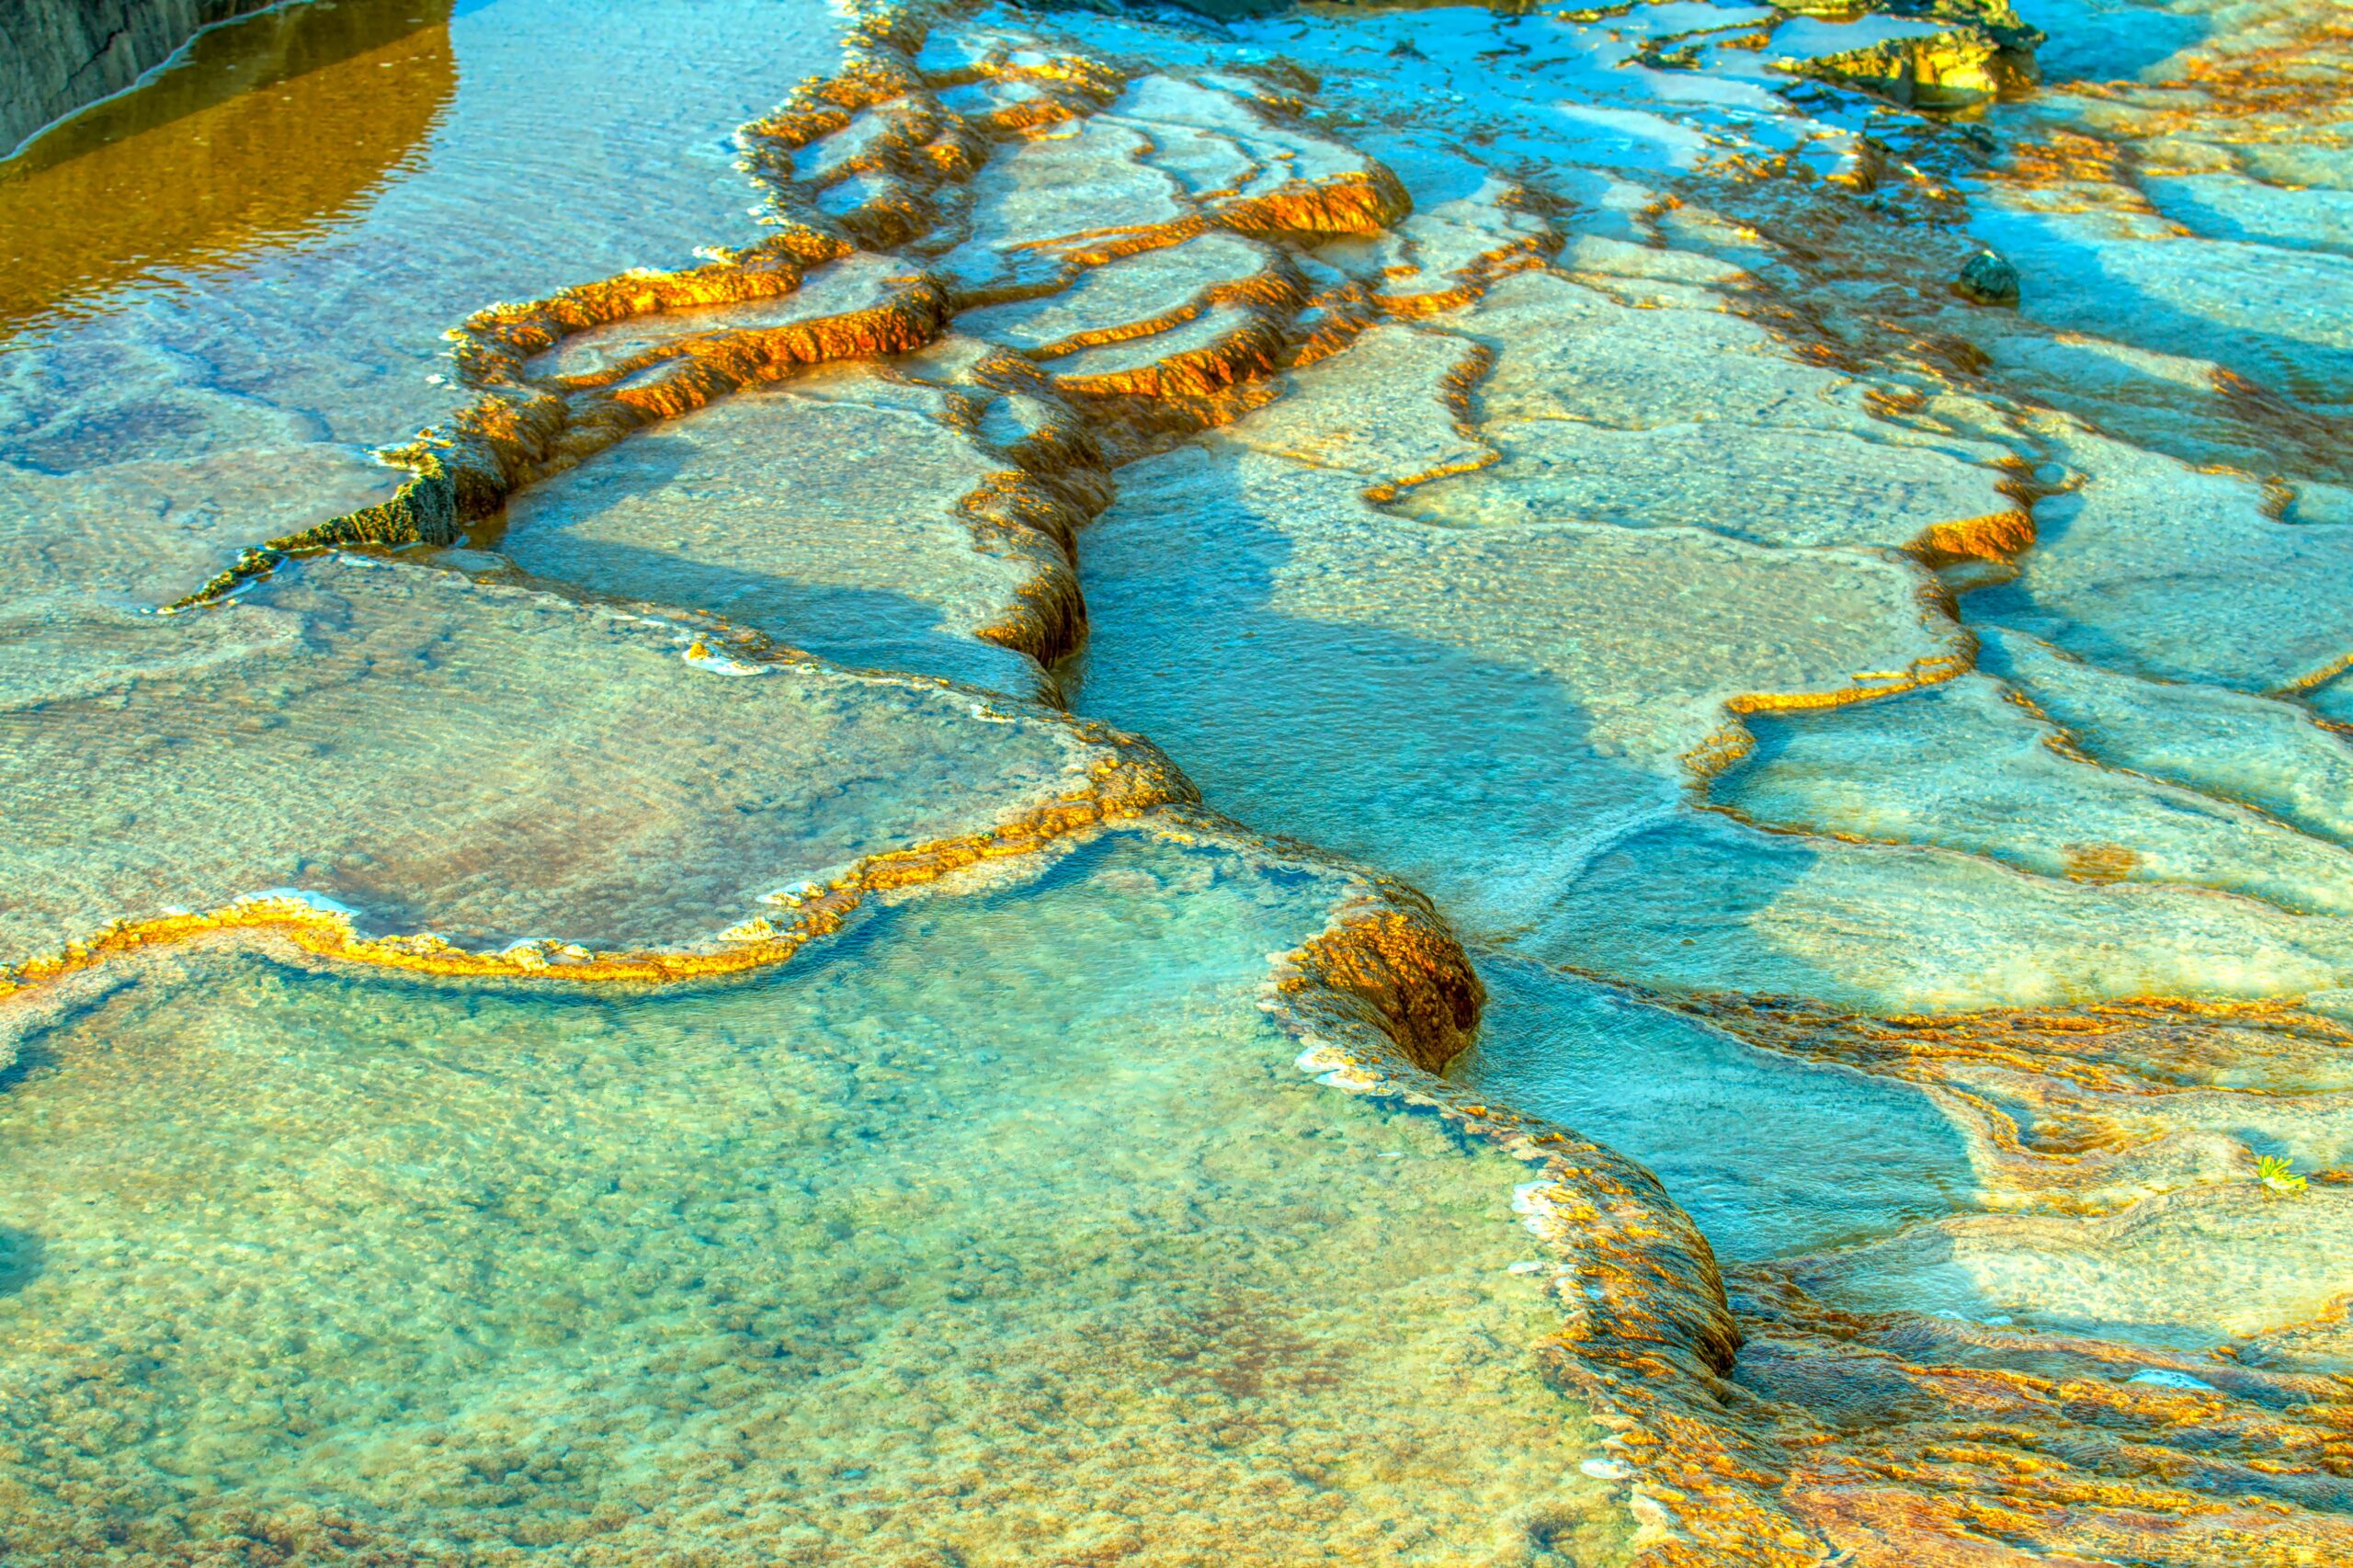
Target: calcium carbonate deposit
column 924, row 785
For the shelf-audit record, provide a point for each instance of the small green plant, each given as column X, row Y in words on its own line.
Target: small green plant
column 2278, row 1173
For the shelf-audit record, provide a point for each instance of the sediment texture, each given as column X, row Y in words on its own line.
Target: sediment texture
column 1827, row 805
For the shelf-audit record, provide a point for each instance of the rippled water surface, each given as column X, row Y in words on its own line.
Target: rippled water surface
column 1002, row 1231
column 230, row 285
column 934, row 785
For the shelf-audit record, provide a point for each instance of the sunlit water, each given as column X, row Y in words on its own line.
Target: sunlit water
column 196, row 343
column 1885, row 753
column 1001, row 1231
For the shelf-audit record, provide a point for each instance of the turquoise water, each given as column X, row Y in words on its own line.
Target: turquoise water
column 827, row 511
column 231, row 392
column 1001, row 1230
column 1471, row 556
column 479, row 761
column 2239, row 254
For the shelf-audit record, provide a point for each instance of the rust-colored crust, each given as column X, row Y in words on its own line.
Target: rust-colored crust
column 1132, row 779
column 1760, row 1426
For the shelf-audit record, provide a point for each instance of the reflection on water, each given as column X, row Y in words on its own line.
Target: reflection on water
column 191, row 170
column 1885, row 753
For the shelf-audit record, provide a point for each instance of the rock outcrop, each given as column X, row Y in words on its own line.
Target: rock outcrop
column 56, row 55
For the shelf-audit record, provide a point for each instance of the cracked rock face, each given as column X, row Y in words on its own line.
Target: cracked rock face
column 57, row 55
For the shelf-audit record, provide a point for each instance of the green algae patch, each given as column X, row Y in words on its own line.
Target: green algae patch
column 1001, row 1229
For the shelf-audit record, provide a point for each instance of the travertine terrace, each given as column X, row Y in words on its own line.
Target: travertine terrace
column 1364, row 786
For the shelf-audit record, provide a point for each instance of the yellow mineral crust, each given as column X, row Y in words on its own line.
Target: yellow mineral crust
column 1995, row 537
column 494, row 343
column 1646, row 1335
column 522, row 429
column 1134, row 779
column 1131, row 291
column 1781, row 1431
column 1733, row 742
column 600, row 408
column 723, row 364
column 1350, row 204
column 1763, row 1427
column 1393, row 409
column 1402, row 964
column 1912, row 1442
column 2251, row 96
column 1245, row 347
column 1911, row 1430
column 518, row 431
column 2248, row 95
column 1722, row 1474
column 2070, row 157
column 2116, row 1046
column 974, row 536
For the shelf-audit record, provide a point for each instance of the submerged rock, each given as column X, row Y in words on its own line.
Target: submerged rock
column 1989, row 279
